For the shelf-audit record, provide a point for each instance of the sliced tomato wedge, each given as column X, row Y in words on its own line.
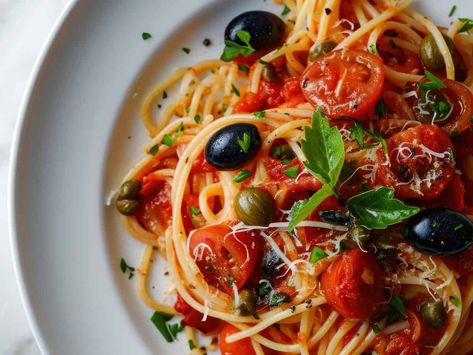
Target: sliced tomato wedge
column 155, row 210
column 223, row 257
column 275, row 169
column 193, row 318
column 421, row 162
column 353, row 284
column 242, row 346
column 344, row 83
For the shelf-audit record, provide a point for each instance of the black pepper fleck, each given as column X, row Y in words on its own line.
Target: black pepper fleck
column 305, row 81
column 207, row 42
column 328, row 11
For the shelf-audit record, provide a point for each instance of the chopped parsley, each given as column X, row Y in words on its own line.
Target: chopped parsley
column 434, row 83
column 456, row 301
column 317, row 254
column 285, row 10
column 243, row 68
column 372, row 48
column 233, row 49
column 259, row 114
column 376, row 328
column 146, row 36
column 458, row 226
column 186, row 50
column 169, row 140
column 242, row 175
column 124, row 267
column 154, row 149
column 292, row 172
column 230, row 281
column 191, row 344
column 380, row 108
column 168, row 331
column 278, row 298
column 195, row 210
column 452, row 11
column 467, row 25
column 235, row 90
column 197, row 119
column 397, row 303
column 245, row 142
column 165, row 95
column 441, row 108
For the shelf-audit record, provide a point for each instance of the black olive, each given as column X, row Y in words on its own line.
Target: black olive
column 270, row 261
column 266, row 29
column 439, row 231
column 337, row 217
column 233, row 146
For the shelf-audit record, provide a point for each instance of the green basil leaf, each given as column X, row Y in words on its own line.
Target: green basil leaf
column 377, row 209
column 317, row 254
column 324, row 150
column 302, row 209
column 233, row 49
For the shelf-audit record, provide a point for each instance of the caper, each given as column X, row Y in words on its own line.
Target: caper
column 247, row 305
column 129, row 190
column 127, row 207
column 321, row 49
column 282, row 152
column 434, row 314
column 432, row 107
column 430, row 53
column 254, row 207
column 269, row 73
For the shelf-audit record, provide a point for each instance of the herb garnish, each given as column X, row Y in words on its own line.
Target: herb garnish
column 235, row 90
column 434, row 83
column 442, row 108
column 316, row 255
column 245, row 142
column 372, row 48
column 285, row 10
column 124, row 267
column 186, row 50
column 243, row 68
column 259, row 114
column 292, row 172
column 154, row 149
column 456, row 301
column 195, row 210
column 233, row 49
column 378, row 209
column 467, row 25
column 191, row 344
column 230, row 281
column 398, row 304
column 324, row 150
column 242, row 175
column 146, row 36
column 452, row 11
column 197, row 119
column 169, row 332
column 169, row 140
column 380, row 108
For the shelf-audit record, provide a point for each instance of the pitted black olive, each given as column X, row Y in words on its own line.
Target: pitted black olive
column 233, row 146
column 266, row 29
column 439, row 231
column 270, row 261
column 337, row 217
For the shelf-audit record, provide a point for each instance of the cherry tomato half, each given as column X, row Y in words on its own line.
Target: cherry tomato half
column 223, row 257
column 242, row 346
column 421, row 162
column 353, row 284
column 344, row 83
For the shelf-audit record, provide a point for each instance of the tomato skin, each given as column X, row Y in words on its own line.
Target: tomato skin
column 228, row 257
column 462, row 263
column 201, row 165
column 400, row 59
column 249, row 102
column 401, row 344
column 275, row 170
column 353, row 284
column 453, row 196
column 344, row 83
column 292, row 93
column 242, row 346
column 407, row 158
column 155, row 209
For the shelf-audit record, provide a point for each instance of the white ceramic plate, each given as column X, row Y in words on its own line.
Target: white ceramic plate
column 79, row 132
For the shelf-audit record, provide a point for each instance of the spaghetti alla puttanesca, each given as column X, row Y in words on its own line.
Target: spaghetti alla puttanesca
column 312, row 190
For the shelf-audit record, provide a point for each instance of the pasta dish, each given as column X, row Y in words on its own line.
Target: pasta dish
column 311, row 190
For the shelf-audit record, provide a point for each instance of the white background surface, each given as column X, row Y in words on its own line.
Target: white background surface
column 24, row 27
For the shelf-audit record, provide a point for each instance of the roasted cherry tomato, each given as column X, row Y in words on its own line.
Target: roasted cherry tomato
column 421, row 162
column 223, row 256
column 193, row 318
column 344, row 83
column 275, row 170
column 450, row 108
column 242, row 346
column 402, row 342
column 353, row 284
column 154, row 212
column 399, row 59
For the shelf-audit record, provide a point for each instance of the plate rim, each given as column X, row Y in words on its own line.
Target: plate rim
column 38, row 69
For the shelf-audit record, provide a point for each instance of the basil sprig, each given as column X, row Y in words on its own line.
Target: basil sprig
column 325, row 153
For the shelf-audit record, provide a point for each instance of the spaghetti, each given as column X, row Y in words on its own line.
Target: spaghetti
column 281, row 253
